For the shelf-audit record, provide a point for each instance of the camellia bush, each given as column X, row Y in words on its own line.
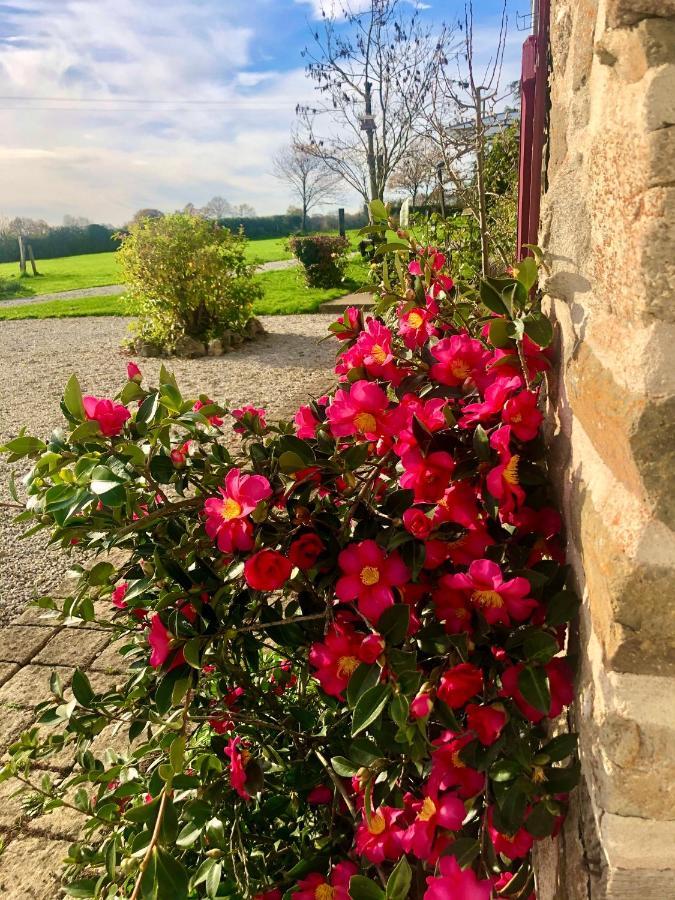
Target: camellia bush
column 323, row 258
column 345, row 641
column 187, row 276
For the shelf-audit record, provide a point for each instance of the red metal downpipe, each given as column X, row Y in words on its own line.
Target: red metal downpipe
column 533, row 98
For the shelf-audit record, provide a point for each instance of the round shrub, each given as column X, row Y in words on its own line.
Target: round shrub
column 188, row 277
column 344, row 640
column 323, row 258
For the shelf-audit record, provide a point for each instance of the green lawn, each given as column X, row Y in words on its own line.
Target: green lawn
column 285, row 293
column 95, row 269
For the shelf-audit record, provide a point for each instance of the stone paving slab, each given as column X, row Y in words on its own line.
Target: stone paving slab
column 361, row 300
column 20, row 643
column 30, row 868
column 30, row 685
column 72, row 647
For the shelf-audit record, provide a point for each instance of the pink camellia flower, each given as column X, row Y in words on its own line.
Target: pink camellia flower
column 513, row 846
column 455, row 883
column 427, row 254
column 227, row 519
column 374, row 346
column 503, row 880
column 502, row 481
column 239, row 758
column 118, row 595
column 459, row 357
column 134, row 373
column 416, row 326
column 496, row 396
column 316, row 887
column 372, row 648
column 486, row 722
column 214, row 419
column 361, row 411
column 305, row 550
column 536, row 359
column 428, row 476
column 258, row 416
column 521, row 413
column 421, row 706
column 559, row 684
column 497, row 600
column 336, row 658
column 380, row 838
column 274, row 894
column 434, row 811
column 459, row 684
column 159, row 639
column 351, row 324
column 110, row 416
column 306, row 422
column 448, row 770
column 452, row 608
column 320, row 795
column 267, row 570
column 458, row 504
column 472, row 544
column 369, row 577
column 417, row 523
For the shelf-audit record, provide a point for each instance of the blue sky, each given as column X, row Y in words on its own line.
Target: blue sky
column 88, row 142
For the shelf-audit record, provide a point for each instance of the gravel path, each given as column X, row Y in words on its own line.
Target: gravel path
column 37, row 357
column 108, row 290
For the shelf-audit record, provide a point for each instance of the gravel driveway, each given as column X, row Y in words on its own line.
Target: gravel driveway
column 37, row 357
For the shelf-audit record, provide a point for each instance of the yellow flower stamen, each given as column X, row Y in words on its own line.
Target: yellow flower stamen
column 510, row 473
column 377, row 824
column 370, row 575
column 324, row 892
column 491, row 599
column 346, row 665
column 231, row 509
column 460, row 368
column 428, row 810
column 379, row 354
column 365, row 422
column 415, row 320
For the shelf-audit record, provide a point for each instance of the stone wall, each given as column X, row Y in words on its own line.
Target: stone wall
column 607, row 217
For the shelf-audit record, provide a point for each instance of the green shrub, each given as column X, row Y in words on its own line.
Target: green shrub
column 323, row 258
column 187, row 276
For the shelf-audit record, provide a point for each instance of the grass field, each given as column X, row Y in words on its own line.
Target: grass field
column 285, row 293
column 70, row 273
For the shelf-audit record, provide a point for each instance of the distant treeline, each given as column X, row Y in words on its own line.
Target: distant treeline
column 72, row 241
column 63, row 240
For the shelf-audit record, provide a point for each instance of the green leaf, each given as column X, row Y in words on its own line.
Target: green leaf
column 72, row 399
column 393, row 623
column 362, row 679
column 192, row 652
column 481, row 443
column 533, row 685
column 492, row 299
column 562, row 608
column 290, row 462
column 85, row 431
column 171, row 877
column 23, row 445
column 369, row 707
column 399, row 710
column 177, row 753
column 398, row 883
column 526, row 272
column 83, row 887
column 540, row 822
column 100, row 573
column 560, row 747
column 540, row 646
column 343, row 767
column 498, row 333
column 465, row 850
column 81, row 688
column 539, row 328
column 362, row 888
column 378, row 210
column 148, row 409
column 104, row 481
column 213, row 879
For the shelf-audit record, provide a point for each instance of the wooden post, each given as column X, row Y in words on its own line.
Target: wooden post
column 32, row 259
column 341, row 222
column 22, row 256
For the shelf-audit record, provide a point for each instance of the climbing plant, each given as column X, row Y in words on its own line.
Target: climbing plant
column 344, row 640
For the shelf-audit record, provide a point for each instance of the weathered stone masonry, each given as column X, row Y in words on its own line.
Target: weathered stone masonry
column 607, row 222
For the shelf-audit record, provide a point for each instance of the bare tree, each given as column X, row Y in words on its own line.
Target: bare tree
column 416, row 174
column 75, row 221
column 217, row 208
column 243, row 211
column 373, row 70
column 312, row 182
column 462, row 116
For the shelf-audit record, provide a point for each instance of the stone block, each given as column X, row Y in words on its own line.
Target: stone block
column 30, row 685
column 20, row 643
column 76, row 647
column 622, row 13
column 109, row 659
column 14, row 721
column 31, row 868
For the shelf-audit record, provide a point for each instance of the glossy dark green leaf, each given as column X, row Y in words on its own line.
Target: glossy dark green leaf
column 533, row 685
column 362, row 888
column 398, row 883
column 363, row 678
column 369, row 707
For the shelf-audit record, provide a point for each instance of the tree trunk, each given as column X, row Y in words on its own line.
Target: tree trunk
column 480, row 183
column 32, row 260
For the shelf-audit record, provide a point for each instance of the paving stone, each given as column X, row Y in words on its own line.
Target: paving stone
column 31, row 868
column 33, row 615
column 72, row 647
column 30, row 685
column 14, row 721
column 20, row 643
column 109, row 659
column 7, row 670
